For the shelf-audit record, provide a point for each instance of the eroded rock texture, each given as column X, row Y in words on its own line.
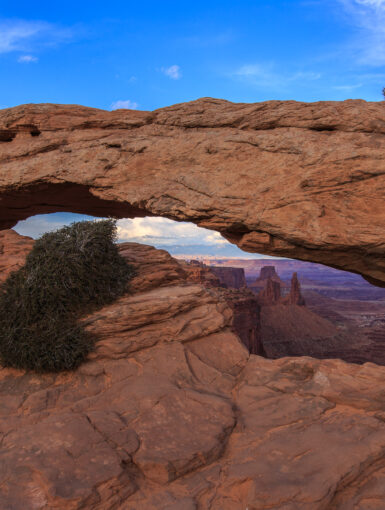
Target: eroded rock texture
column 302, row 180
column 171, row 413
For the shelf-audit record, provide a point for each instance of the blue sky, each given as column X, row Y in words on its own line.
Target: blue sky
column 151, row 54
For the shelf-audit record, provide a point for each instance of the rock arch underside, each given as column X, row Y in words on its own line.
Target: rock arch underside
column 171, row 411
column 300, row 180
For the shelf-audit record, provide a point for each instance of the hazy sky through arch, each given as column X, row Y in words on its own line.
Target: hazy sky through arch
column 178, row 238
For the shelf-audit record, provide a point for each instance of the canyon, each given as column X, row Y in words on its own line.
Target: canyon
column 344, row 316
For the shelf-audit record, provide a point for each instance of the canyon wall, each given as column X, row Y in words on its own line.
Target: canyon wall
column 233, row 277
column 300, row 180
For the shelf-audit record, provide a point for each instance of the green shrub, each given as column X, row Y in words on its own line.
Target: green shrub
column 68, row 273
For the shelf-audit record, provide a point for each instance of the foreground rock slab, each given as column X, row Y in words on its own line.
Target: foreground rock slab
column 301, row 180
column 170, row 412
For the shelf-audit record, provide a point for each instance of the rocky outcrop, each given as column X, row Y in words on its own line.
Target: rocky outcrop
column 280, row 177
column 246, row 321
column 198, row 272
column 170, row 412
column 14, row 249
column 271, row 294
column 232, row 277
column 266, row 273
column 165, row 361
column 268, row 287
column 294, row 297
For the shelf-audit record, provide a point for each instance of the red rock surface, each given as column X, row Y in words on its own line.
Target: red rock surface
column 171, row 413
column 14, row 249
column 301, row 180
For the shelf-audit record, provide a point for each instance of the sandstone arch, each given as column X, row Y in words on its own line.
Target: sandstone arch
column 302, row 180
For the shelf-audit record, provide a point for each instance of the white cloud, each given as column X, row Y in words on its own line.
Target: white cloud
column 175, row 237
column 23, row 35
column 347, row 88
column 368, row 17
column 26, row 59
column 265, row 75
column 173, row 72
column 166, row 233
column 375, row 3
column 125, row 104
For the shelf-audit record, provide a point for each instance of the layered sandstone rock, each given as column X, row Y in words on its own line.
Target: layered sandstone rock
column 171, row 413
column 301, row 180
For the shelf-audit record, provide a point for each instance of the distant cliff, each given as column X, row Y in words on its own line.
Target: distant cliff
column 233, row 277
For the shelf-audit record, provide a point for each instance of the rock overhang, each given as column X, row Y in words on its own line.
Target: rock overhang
column 299, row 180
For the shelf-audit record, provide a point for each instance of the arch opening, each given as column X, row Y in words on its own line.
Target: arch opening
column 281, row 307
column 44, row 198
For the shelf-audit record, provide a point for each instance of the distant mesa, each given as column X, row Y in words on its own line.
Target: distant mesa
column 266, row 273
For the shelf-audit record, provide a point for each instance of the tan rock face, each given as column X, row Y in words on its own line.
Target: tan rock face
column 171, row 413
column 14, row 249
column 302, row 180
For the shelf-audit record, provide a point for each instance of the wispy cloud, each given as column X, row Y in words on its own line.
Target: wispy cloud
column 265, row 75
column 27, row 59
column 174, row 72
column 368, row 17
column 347, row 88
column 125, row 104
column 25, row 35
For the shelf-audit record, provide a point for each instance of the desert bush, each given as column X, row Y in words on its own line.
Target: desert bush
column 68, row 273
